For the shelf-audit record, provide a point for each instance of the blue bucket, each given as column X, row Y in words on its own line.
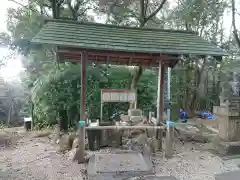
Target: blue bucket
column 211, row 117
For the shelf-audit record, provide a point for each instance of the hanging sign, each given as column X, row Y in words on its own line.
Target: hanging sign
column 111, row 95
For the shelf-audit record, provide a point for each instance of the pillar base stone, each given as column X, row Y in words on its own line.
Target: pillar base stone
column 226, row 147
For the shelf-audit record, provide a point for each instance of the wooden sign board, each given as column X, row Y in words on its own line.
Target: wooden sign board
column 111, row 95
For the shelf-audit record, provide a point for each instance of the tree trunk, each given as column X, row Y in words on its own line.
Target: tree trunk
column 56, row 4
column 235, row 31
column 135, row 78
column 32, row 114
column 54, row 9
column 143, row 20
column 63, row 120
column 10, row 114
column 198, row 77
column 186, row 82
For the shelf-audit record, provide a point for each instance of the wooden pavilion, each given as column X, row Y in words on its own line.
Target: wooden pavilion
column 99, row 43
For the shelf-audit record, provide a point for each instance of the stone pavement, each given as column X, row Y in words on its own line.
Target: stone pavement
column 235, row 175
column 154, row 178
column 118, row 165
column 128, row 165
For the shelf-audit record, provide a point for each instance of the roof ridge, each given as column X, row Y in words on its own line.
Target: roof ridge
column 120, row 27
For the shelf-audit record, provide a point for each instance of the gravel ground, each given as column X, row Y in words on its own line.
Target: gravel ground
column 36, row 159
column 193, row 162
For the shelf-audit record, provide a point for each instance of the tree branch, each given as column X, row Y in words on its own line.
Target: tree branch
column 27, row 7
column 235, row 31
column 161, row 22
column 156, row 11
column 74, row 9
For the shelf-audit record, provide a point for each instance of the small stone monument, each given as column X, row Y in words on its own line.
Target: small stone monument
column 228, row 116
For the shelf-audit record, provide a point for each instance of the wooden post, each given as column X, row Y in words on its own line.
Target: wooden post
column 169, row 94
column 169, row 140
column 83, row 86
column 81, row 132
column 160, row 112
column 81, row 147
column 32, row 115
column 101, row 112
column 149, row 116
column 135, row 103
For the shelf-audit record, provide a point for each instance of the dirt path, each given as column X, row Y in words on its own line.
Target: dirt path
column 36, row 159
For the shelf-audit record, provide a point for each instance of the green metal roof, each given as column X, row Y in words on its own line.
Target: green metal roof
column 118, row 38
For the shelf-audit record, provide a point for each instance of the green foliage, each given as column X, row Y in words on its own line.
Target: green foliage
column 61, row 91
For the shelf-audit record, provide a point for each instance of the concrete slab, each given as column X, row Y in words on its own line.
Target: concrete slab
column 228, row 176
column 118, row 165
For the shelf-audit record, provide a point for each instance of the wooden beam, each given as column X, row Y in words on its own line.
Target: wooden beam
column 118, row 58
column 110, row 57
column 102, row 60
column 123, row 127
column 138, row 55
